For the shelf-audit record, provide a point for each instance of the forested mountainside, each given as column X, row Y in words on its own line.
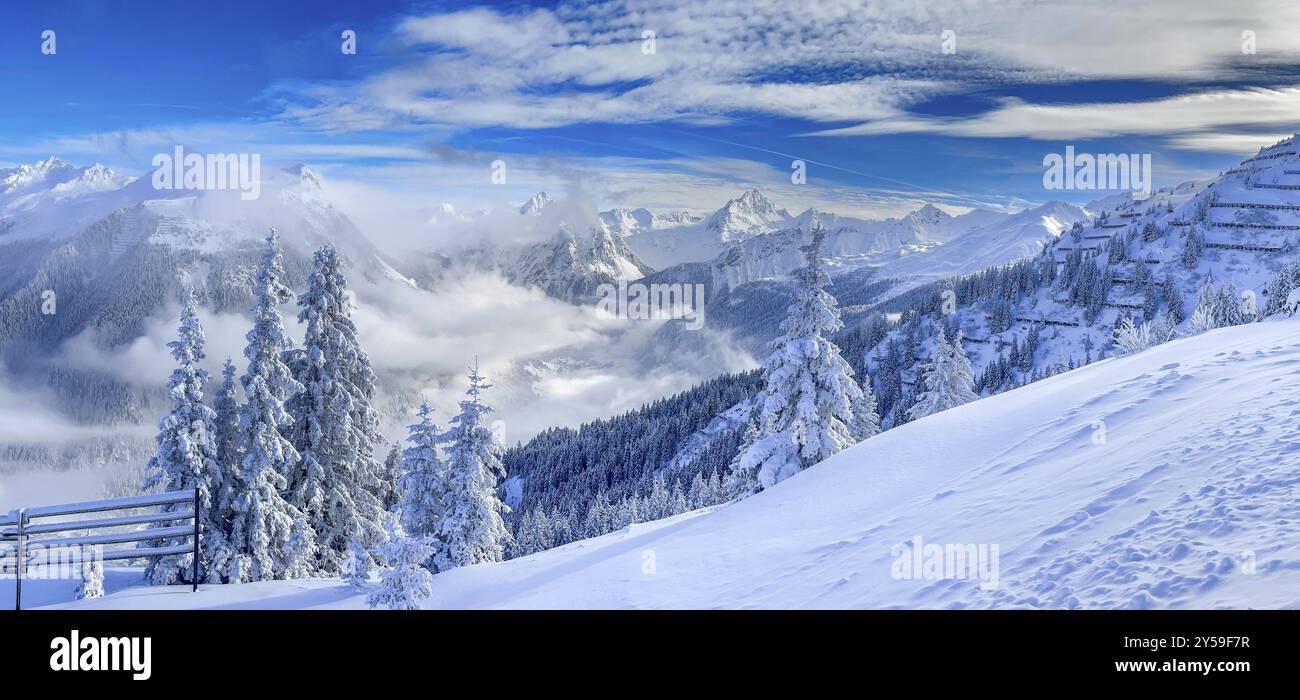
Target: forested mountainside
column 1222, row 248
column 565, row 469
column 1200, row 256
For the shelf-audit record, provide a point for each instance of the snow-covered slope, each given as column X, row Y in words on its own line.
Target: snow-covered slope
column 1147, row 259
column 1001, row 240
column 1170, row 478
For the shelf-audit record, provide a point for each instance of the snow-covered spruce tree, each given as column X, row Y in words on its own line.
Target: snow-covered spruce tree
column 92, row 579
column 525, row 539
column 714, row 492
column 1173, row 301
column 809, row 407
column 226, row 406
column 865, row 415
column 948, row 378
column 1279, row 287
column 1202, row 320
column 695, row 495
column 596, row 523
column 421, row 480
column 357, row 564
column 388, row 479
column 1132, row 337
column 1192, row 249
column 403, row 582
column 336, row 481
column 187, row 457
column 471, row 531
column 271, row 538
column 659, row 501
column 678, row 504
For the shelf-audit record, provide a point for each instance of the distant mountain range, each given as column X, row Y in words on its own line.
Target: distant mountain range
column 117, row 251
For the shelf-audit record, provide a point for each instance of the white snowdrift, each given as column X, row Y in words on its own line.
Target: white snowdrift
column 1191, row 500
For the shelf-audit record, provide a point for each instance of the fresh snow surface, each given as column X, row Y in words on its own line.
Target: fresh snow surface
column 1190, row 501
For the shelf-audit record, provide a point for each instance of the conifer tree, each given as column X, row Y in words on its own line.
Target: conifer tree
column 421, row 480
column 357, row 564
column 336, row 481
column 187, row 456
column 92, row 580
column 597, row 521
column 1173, row 301
column 807, row 407
column 388, row 479
column 404, row 582
column 271, row 538
column 226, row 406
column 948, row 377
column 471, row 531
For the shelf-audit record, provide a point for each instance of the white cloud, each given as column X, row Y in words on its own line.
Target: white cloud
column 825, row 61
column 553, row 363
column 1256, row 107
column 146, row 362
column 1225, row 142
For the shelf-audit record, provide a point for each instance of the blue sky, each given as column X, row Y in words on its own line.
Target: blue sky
column 568, row 96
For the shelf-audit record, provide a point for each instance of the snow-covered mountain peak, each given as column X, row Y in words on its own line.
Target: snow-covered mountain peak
column 51, row 164
column 94, row 178
column 676, row 218
column 536, row 204
column 746, row 215
column 632, row 222
column 755, row 200
column 52, row 170
column 444, row 213
column 628, row 221
column 568, row 267
column 929, row 214
column 308, row 177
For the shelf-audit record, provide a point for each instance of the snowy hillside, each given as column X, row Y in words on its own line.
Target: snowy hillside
column 1002, row 240
column 1217, row 243
column 1166, row 479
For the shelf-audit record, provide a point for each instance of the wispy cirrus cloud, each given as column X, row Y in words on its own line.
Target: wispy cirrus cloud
column 1181, row 114
column 1226, row 142
column 825, row 62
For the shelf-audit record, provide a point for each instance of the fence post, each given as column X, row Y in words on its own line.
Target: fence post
column 22, row 562
column 195, row 575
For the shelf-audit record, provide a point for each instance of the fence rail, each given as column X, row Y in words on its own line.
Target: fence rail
column 17, row 529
